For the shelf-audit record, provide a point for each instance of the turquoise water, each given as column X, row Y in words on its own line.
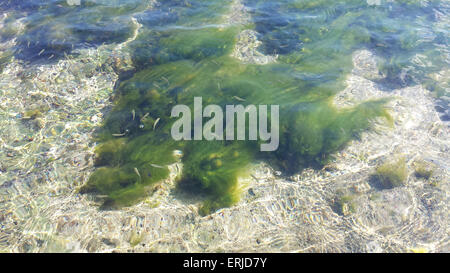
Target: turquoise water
column 183, row 50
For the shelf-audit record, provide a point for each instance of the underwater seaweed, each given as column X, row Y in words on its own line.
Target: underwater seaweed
column 392, row 174
column 187, row 55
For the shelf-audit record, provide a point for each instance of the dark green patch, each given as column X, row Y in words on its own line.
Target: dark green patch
column 391, row 174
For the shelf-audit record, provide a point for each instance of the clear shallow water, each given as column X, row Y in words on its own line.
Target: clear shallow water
column 397, row 30
column 183, row 50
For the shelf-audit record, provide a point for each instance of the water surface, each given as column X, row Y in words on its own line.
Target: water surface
column 185, row 49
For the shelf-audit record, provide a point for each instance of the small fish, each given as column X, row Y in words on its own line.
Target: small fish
column 157, row 166
column 42, row 51
column 157, row 85
column 144, row 117
column 51, row 56
column 137, row 172
column 133, row 113
column 164, row 78
column 156, row 122
column 102, row 196
column 118, row 135
column 238, row 98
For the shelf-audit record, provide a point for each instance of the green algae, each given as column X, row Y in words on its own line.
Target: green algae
column 423, row 169
column 186, row 54
column 344, row 204
column 213, row 168
column 311, row 128
column 32, row 114
column 392, row 174
column 135, row 238
column 5, row 58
